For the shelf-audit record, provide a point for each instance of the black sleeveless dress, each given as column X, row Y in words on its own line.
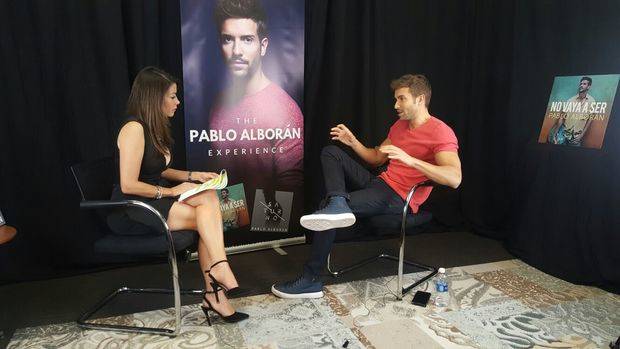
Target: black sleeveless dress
column 132, row 220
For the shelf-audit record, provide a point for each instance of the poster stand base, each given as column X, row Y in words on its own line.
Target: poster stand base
column 259, row 246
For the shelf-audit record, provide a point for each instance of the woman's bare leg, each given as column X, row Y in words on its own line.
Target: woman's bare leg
column 203, row 256
column 209, row 219
column 204, row 260
column 182, row 217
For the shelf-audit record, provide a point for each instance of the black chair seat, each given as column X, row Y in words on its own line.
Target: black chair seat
column 144, row 245
column 385, row 225
column 391, row 223
column 95, row 181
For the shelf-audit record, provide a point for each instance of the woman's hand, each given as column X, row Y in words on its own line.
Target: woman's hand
column 182, row 188
column 203, row 176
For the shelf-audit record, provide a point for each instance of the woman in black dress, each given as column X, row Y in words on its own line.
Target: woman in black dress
column 144, row 143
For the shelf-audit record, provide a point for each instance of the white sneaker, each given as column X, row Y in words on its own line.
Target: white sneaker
column 325, row 221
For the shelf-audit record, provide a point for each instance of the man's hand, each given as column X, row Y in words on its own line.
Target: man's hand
column 395, row 153
column 371, row 156
column 343, row 134
column 447, row 170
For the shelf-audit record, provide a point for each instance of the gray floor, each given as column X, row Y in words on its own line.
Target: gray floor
column 63, row 300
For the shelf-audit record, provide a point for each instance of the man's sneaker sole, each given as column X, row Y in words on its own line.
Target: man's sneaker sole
column 320, row 222
column 296, row 295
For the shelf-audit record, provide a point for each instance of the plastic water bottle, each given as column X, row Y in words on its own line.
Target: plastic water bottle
column 441, row 286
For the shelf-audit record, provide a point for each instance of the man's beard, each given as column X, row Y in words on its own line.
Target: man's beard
column 406, row 116
column 249, row 71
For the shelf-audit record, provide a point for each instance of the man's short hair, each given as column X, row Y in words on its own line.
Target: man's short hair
column 251, row 9
column 588, row 79
column 418, row 85
column 224, row 190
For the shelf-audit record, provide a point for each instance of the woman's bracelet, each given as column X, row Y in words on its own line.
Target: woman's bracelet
column 158, row 194
column 189, row 176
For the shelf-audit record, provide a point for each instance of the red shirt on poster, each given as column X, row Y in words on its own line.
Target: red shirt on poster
column 257, row 156
column 422, row 143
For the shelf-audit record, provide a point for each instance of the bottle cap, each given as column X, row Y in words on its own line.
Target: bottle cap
column 442, row 270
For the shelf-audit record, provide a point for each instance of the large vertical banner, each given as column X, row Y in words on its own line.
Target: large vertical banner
column 243, row 70
column 578, row 110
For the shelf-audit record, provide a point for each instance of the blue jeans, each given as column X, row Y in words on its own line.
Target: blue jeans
column 366, row 194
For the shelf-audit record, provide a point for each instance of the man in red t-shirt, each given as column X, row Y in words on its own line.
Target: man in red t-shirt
column 418, row 147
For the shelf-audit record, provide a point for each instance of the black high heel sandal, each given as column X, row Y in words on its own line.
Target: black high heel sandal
column 232, row 318
column 230, row 293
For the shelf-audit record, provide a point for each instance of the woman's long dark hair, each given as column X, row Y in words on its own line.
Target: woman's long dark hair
column 145, row 102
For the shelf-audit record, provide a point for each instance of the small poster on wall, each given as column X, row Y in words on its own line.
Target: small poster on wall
column 578, row 110
column 234, row 207
column 272, row 213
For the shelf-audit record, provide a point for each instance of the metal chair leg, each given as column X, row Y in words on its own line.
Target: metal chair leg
column 83, row 320
column 176, row 292
column 401, row 290
column 401, row 255
column 401, row 252
column 352, row 266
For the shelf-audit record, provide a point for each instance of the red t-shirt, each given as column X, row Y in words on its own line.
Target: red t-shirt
column 422, row 143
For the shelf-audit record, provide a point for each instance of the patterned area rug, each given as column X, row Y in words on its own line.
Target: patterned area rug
column 496, row 305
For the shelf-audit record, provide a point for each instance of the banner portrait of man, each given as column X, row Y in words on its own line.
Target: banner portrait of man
column 243, row 88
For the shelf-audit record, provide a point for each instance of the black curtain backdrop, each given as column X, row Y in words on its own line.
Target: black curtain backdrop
column 66, row 71
column 565, row 210
column 67, row 68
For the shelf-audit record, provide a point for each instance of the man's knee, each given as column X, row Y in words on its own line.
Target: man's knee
column 332, row 151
